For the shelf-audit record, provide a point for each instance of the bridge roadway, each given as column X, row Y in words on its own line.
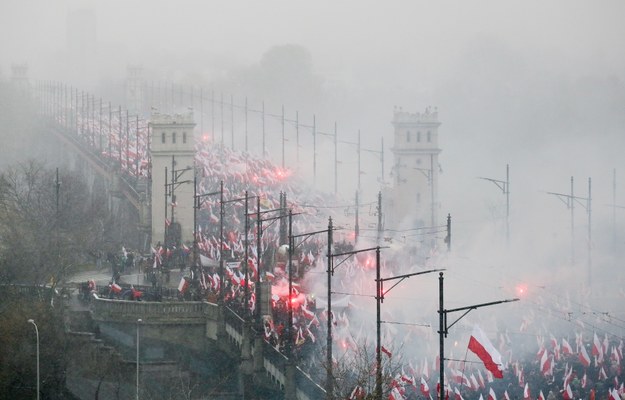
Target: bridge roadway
column 196, row 327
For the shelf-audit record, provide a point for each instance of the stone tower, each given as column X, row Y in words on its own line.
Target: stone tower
column 413, row 201
column 172, row 148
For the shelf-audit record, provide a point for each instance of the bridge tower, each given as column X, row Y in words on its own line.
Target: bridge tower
column 413, row 197
column 172, row 148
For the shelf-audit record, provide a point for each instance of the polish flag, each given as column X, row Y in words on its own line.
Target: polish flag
column 567, row 394
column 480, row 379
column 458, row 395
column 596, row 346
column 568, row 375
column 183, row 285
column 505, row 395
column 426, row 371
column 584, row 381
column 425, row 389
column 484, row 349
column 614, row 395
column 545, row 364
column 566, row 347
column 583, row 356
column 474, row 384
column 526, row 392
column 602, row 375
column 541, row 396
column 491, row 395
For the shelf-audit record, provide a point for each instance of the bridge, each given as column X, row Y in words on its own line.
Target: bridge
column 200, row 338
column 183, row 332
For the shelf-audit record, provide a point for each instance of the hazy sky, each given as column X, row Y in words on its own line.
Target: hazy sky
column 536, row 84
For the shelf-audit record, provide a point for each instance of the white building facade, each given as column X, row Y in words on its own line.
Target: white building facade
column 413, row 201
column 172, row 149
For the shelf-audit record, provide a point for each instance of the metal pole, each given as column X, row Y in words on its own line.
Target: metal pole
column 572, row 224
column 314, row 133
column 290, row 299
column 297, row 137
column 589, row 235
column 139, row 321
column 232, row 122
column 378, row 355
column 165, row 204
column 441, row 338
column 379, row 216
column 245, row 264
column 356, row 225
column 329, row 377
column 221, row 243
column 221, row 108
column 359, row 160
column 448, row 232
column 431, row 182
column 282, row 136
column 336, row 161
column 259, row 233
column 508, row 203
column 31, row 321
column 246, row 138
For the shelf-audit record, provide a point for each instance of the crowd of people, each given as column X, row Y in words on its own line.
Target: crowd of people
column 580, row 364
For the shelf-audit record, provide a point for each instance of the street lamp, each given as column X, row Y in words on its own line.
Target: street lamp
column 139, row 321
column 32, row 321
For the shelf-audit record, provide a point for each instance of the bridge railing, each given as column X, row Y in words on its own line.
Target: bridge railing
column 274, row 361
column 172, row 312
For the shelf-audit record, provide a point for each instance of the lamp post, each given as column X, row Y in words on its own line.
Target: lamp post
column 139, row 321
column 32, row 321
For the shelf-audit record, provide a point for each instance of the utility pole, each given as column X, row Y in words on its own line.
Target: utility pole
column 379, row 300
column 585, row 202
column 505, row 188
column 448, row 238
column 444, row 328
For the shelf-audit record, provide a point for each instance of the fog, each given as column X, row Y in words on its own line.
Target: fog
column 537, row 85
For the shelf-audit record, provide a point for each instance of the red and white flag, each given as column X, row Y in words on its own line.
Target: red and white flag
column 385, row 351
column 480, row 379
column 484, row 349
column 614, row 395
column 425, row 389
column 426, row 371
column 545, row 364
column 596, row 346
column 541, row 396
column 183, row 285
column 567, row 393
column 584, row 381
column 491, row 395
column 526, row 392
column 584, row 358
column 505, row 395
column 602, row 375
column 566, row 347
